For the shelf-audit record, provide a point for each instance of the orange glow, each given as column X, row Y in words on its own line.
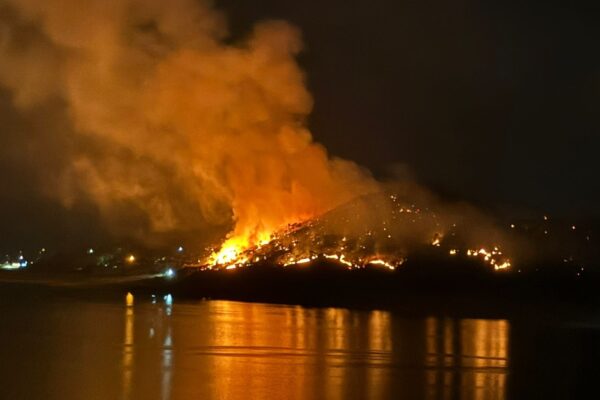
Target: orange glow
column 229, row 252
column 383, row 263
column 343, row 260
column 129, row 299
column 232, row 250
column 491, row 257
column 307, row 239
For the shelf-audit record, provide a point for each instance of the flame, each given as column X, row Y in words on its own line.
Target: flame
column 437, row 239
column 229, row 251
column 343, row 260
column 383, row 263
column 233, row 249
column 491, row 257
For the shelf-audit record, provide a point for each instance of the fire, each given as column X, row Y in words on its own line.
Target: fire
column 373, row 244
column 301, row 261
column 343, row 260
column 491, row 257
column 383, row 263
column 233, row 249
column 229, row 252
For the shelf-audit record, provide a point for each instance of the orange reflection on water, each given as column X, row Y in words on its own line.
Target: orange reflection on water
column 466, row 357
column 128, row 347
column 231, row 350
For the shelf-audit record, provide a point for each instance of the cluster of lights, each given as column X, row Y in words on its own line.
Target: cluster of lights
column 13, row 265
column 167, row 298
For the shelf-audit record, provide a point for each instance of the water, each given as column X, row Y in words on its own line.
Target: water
column 55, row 348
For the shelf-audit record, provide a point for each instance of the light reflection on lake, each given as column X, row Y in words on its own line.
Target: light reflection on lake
column 233, row 350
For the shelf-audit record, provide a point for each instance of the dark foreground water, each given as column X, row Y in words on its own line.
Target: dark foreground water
column 65, row 348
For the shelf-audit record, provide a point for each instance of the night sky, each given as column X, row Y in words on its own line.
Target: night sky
column 492, row 102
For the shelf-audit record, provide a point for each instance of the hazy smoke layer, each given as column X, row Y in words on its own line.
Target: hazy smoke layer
column 170, row 118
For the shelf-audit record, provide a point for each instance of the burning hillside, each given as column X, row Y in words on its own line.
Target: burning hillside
column 377, row 230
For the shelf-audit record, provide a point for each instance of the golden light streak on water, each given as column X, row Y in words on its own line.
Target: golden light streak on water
column 480, row 347
column 379, row 333
column 128, row 347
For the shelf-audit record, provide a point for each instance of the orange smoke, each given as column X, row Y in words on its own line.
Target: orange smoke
column 174, row 121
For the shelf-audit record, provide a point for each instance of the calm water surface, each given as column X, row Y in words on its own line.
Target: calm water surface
column 75, row 349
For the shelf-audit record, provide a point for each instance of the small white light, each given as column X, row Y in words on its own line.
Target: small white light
column 169, row 273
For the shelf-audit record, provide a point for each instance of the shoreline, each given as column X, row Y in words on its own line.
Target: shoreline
column 465, row 292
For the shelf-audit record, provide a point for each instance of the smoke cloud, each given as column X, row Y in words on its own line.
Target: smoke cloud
column 170, row 120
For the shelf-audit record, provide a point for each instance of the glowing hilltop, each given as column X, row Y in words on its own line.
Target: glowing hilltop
column 378, row 230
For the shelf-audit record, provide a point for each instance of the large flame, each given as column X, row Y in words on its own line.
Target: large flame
column 232, row 249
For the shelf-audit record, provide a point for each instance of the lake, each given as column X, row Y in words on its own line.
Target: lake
column 57, row 347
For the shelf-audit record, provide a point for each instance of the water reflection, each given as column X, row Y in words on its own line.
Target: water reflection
column 128, row 348
column 230, row 350
column 466, row 359
column 162, row 348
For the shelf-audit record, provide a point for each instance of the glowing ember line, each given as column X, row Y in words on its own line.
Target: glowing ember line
column 382, row 262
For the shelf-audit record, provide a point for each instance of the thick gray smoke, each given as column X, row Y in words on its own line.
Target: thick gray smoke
column 167, row 120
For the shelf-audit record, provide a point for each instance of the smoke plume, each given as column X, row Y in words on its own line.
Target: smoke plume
column 168, row 118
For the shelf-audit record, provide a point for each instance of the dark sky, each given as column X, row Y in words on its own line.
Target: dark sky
column 497, row 102
column 494, row 102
